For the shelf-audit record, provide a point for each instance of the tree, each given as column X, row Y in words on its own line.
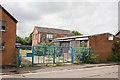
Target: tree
column 24, row 41
column 76, row 33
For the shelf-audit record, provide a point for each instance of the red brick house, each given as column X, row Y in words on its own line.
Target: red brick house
column 101, row 44
column 42, row 34
column 7, row 38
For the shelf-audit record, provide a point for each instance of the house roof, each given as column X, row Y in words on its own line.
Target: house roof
column 118, row 33
column 53, row 30
column 8, row 13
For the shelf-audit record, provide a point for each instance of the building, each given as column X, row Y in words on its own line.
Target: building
column 101, row 44
column 42, row 34
column 8, row 23
column 118, row 34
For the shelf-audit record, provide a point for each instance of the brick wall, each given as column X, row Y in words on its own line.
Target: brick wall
column 35, row 36
column 102, row 47
column 9, row 37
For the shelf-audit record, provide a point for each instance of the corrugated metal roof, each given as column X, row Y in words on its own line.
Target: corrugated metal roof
column 53, row 30
column 78, row 37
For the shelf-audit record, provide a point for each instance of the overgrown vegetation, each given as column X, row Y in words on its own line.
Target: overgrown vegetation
column 84, row 56
column 115, row 57
column 39, row 50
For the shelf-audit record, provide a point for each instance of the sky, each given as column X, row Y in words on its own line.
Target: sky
column 87, row 17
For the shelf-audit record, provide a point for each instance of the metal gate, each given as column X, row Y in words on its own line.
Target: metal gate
column 45, row 54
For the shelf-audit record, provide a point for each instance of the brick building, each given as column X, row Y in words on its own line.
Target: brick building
column 7, row 38
column 101, row 44
column 42, row 34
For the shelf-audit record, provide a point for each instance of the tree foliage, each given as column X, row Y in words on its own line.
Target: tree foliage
column 24, row 41
column 76, row 33
column 116, row 52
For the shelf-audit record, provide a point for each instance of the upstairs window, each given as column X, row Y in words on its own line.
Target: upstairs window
column 49, row 36
column 38, row 38
column 110, row 37
column 43, row 35
column 2, row 46
column 2, row 25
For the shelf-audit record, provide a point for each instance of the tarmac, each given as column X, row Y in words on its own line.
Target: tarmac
column 13, row 70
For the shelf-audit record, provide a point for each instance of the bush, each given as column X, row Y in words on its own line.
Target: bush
column 91, row 59
column 84, row 56
column 115, row 56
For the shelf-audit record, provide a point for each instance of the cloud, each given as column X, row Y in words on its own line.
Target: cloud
column 85, row 17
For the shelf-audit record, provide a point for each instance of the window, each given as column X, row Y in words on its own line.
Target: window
column 110, row 37
column 2, row 25
column 39, row 38
column 49, row 36
column 2, row 46
column 43, row 35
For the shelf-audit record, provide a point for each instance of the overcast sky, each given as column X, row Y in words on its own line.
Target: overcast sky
column 85, row 17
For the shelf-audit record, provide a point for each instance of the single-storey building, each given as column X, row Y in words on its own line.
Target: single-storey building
column 8, row 55
column 101, row 44
column 43, row 34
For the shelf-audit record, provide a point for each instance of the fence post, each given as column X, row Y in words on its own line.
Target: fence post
column 72, row 54
column 32, row 56
column 54, row 56
column 90, row 51
column 63, row 53
column 19, row 59
column 48, row 54
column 43, row 54
column 84, row 54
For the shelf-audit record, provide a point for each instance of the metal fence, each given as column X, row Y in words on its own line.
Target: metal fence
column 81, row 53
column 51, row 54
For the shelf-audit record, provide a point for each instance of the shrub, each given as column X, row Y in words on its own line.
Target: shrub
column 91, row 59
column 84, row 56
column 115, row 56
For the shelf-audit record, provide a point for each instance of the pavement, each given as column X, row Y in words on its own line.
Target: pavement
column 94, row 72
column 11, row 71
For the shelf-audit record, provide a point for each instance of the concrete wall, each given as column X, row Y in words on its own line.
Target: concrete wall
column 102, row 47
column 9, row 37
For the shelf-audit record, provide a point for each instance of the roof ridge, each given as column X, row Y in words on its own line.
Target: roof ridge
column 52, row 28
column 8, row 13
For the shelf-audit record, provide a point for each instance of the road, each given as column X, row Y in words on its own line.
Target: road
column 95, row 72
